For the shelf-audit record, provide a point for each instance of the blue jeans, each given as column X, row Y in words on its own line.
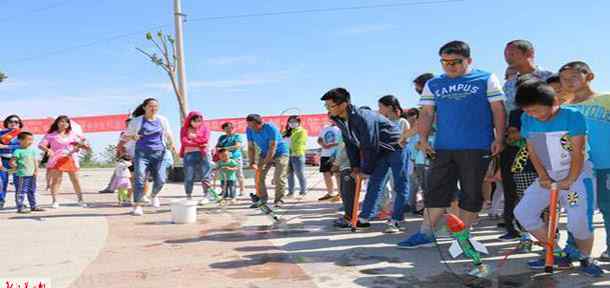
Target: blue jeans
column 196, row 163
column 4, row 180
column 228, row 189
column 151, row 162
column 25, row 185
column 297, row 166
column 394, row 161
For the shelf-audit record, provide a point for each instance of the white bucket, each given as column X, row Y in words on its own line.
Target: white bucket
column 184, row 211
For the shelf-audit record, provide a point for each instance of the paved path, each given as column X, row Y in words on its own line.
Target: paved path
column 103, row 246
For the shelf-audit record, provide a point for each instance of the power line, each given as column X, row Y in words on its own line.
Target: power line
column 84, row 45
column 322, row 10
column 225, row 17
column 37, row 10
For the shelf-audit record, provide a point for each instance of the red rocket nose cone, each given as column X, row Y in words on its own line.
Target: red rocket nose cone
column 454, row 223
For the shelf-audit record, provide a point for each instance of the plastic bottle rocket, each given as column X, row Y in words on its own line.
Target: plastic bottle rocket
column 264, row 208
column 469, row 247
column 215, row 196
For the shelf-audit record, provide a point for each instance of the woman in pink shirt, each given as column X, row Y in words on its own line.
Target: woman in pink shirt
column 62, row 144
column 194, row 137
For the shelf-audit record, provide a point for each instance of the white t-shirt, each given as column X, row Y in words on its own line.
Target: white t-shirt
column 404, row 124
column 330, row 135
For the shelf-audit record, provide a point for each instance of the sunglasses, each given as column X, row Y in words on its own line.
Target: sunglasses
column 329, row 107
column 14, row 122
column 451, row 62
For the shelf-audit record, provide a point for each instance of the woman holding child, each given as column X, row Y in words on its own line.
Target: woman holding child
column 8, row 144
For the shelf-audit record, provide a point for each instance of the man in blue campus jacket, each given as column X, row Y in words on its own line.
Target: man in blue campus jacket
column 372, row 144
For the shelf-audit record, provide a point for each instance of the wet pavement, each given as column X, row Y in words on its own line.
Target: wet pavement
column 234, row 246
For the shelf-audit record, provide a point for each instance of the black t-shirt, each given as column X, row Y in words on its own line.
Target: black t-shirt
column 514, row 118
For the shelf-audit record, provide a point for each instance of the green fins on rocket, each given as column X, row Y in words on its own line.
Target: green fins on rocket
column 469, row 247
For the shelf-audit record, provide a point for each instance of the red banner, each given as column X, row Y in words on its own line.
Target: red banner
column 313, row 123
column 89, row 124
column 111, row 123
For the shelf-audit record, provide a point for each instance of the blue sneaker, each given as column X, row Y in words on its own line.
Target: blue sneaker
column 560, row 263
column 572, row 253
column 510, row 237
column 417, row 240
column 590, row 268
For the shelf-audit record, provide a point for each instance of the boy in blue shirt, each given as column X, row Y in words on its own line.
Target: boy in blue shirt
column 575, row 78
column 273, row 152
column 544, row 118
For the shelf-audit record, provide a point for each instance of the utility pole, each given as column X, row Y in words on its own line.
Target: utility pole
column 179, row 19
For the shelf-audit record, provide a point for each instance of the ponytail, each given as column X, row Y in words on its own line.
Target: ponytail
column 140, row 109
column 392, row 101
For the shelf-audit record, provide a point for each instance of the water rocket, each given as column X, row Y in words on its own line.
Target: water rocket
column 463, row 244
column 265, row 208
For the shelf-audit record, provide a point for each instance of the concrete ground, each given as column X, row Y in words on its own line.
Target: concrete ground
column 103, row 246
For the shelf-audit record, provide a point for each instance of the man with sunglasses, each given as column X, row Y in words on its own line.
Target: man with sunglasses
column 8, row 144
column 467, row 104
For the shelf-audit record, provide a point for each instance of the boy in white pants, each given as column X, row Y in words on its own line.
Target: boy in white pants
column 554, row 134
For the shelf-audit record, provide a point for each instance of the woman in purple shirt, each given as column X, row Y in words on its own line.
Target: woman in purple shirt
column 153, row 138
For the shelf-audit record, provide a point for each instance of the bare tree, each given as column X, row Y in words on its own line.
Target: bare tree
column 165, row 44
column 2, row 77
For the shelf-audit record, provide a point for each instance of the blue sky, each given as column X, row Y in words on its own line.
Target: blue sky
column 268, row 64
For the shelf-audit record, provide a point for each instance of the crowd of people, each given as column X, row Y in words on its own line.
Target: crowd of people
column 471, row 145
column 470, row 135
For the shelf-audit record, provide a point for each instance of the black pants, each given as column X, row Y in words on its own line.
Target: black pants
column 507, row 157
column 347, row 188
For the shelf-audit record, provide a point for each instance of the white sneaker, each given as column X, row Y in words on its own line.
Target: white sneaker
column 156, row 203
column 204, row 201
column 145, row 199
column 55, row 205
column 391, row 227
column 82, row 204
column 137, row 211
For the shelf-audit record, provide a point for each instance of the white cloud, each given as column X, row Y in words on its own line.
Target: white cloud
column 232, row 60
column 368, row 28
